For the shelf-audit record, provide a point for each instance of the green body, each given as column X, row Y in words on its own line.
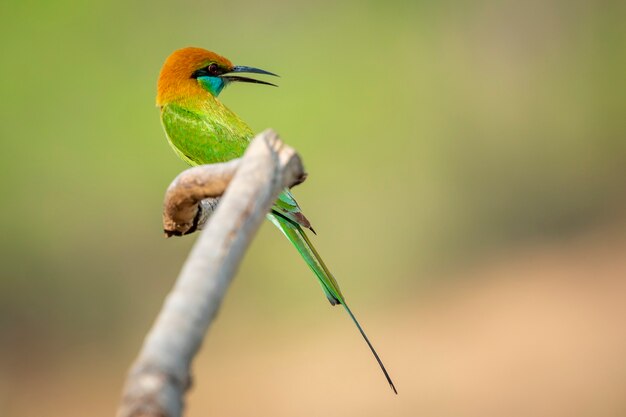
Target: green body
column 200, row 139
column 204, row 131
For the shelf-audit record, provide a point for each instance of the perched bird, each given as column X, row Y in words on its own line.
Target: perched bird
column 204, row 131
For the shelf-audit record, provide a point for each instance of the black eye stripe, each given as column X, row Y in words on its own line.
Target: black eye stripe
column 211, row 70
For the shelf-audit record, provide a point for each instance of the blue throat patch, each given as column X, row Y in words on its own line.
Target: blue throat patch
column 213, row 84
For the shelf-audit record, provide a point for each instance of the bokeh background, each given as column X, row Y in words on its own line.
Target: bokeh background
column 467, row 167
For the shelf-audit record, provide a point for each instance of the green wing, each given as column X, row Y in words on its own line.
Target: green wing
column 198, row 139
column 288, row 207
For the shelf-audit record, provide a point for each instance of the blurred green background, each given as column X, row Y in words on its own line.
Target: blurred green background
column 467, row 179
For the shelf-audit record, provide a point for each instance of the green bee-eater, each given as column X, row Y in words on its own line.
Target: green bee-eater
column 204, row 131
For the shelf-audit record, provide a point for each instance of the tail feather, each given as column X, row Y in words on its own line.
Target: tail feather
column 380, row 362
column 299, row 239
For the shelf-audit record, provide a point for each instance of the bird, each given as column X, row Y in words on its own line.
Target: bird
column 202, row 130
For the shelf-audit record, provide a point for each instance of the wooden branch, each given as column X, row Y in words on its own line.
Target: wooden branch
column 194, row 195
column 160, row 375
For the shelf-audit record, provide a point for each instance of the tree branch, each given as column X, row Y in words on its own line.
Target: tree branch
column 160, row 375
column 194, row 195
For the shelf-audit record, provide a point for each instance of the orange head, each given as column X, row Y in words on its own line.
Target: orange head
column 195, row 72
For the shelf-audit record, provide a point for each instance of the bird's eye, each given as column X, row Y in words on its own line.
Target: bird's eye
column 212, row 69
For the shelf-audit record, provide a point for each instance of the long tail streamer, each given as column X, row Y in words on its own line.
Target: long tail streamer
column 299, row 239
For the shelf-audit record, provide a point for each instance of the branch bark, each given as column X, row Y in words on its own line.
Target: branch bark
column 160, row 375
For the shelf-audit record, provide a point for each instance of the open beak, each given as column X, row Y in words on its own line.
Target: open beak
column 253, row 70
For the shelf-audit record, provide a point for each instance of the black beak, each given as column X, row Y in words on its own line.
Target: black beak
column 246, row 79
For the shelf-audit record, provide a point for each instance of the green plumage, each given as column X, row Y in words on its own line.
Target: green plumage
column 204, row 131
column 199, row 139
